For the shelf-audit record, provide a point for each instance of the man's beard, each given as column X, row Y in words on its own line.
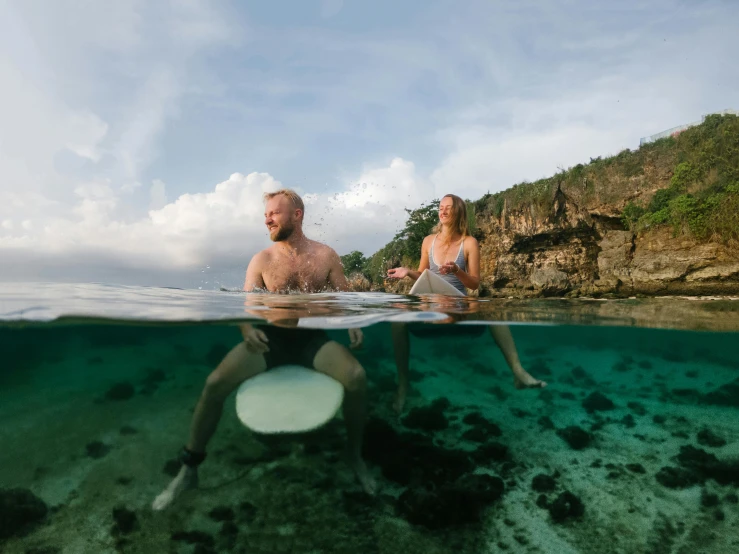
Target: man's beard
column 283, row 233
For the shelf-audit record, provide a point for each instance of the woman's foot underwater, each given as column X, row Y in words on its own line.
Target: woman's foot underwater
column 522, row 379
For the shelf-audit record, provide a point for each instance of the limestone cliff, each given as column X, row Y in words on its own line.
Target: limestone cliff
column 659, row 220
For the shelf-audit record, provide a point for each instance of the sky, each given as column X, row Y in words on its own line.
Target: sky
column 137, row 138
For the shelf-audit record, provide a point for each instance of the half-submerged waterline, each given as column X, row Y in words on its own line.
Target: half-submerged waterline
column 632, row 447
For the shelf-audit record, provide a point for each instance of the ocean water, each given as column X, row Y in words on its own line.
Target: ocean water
column 632, row 447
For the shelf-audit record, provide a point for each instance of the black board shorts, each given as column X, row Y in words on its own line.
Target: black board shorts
column 430, row 330
column 293, row 346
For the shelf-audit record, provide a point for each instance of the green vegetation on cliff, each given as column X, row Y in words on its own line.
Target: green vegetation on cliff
column 696, row 174
column 702, row 199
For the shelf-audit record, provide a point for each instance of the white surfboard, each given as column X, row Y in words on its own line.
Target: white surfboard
column 288, row 399
column 431, row 283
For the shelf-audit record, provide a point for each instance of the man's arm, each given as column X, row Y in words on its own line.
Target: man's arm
column 337, row 281
column 254, row 279
column 336, row 278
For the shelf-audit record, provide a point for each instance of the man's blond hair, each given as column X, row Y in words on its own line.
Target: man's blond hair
column 291, row 195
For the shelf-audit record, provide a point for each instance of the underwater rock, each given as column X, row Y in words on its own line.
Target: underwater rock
column 491, row 451
column 125, row 520
column 540, row 367
column 43, row 550
column 221, row 513
column 725, row 395
column 96, row 449
column 460, row 503
column 127, row 430
column 709, row 500
column 172, row 467
column 411, row 457
column 706, row 437
column 597, row 401
column 483, row 429
column 247, row 510
column 566, row 506
column 628, row 421
column 707, row 466
column 543, row 483
column 542, row 501
column 20, row 512
column 545, row 422
column 120, row 391
column 193, row 537
column 659, row 419
column 637, row 408
column 578, row 372
column 676, row 478
column 216, row 354
column 645, row 364
column 427, row 418
column 635, row 468
column 575, row 436
column 622, row 366
column 498, row 392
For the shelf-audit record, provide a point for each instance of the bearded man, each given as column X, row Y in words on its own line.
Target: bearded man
column 292, row 263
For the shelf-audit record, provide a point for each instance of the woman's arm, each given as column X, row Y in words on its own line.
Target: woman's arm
column 401, row 272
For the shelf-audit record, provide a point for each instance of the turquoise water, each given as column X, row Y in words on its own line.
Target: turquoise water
column 632, row 447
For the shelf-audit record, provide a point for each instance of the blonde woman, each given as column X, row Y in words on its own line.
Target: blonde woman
column 454, row 255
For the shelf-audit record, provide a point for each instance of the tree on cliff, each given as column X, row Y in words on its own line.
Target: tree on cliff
column 353, row 262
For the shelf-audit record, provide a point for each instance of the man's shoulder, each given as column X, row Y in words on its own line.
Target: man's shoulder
column 321, row 249
column 262, row 256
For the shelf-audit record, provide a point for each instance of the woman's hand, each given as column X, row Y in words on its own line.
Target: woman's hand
column 397, row 273
column 449, row 267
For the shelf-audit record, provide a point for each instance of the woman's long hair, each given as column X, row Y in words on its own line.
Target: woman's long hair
column 460, row 224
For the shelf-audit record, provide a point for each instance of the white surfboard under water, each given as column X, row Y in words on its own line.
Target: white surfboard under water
column 288, row 399
column 431, row 283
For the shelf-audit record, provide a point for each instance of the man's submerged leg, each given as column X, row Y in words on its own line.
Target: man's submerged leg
column 236, row 367
column 336, row 361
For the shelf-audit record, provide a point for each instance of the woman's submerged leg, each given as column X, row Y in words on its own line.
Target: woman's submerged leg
column 402, row 348
column 522, row 379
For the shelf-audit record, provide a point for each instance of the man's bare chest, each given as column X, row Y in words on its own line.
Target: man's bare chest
column 285, row 274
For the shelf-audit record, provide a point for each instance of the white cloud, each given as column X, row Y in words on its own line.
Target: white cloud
column 220, row 228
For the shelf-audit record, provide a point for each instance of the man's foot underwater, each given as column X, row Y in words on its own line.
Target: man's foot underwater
column 364, row 476
column 186, row 479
